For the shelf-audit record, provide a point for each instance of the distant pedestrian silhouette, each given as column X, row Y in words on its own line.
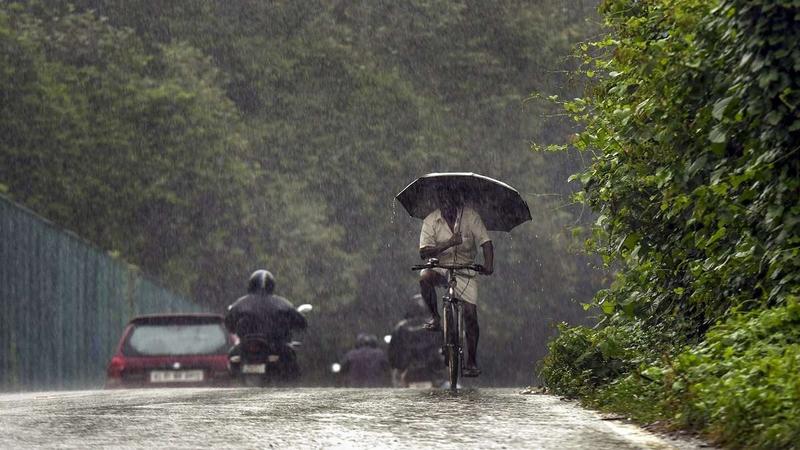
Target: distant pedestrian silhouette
column 366, row 365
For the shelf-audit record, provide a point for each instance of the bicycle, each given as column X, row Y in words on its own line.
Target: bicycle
column 452, row 318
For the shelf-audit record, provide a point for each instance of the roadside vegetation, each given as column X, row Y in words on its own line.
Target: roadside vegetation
column 691, row 119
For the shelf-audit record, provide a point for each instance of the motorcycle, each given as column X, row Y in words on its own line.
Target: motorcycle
column 259, row 362
column 420, row 364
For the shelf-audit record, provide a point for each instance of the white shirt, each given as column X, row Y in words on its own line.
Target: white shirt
column 436, row 231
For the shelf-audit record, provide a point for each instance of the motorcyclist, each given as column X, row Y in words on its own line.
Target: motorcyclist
column 414, row 353
column 264, row 314
column 366, row 365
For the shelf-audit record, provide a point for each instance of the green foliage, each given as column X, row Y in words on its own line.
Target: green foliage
column 633, row 395
column 137, row 150
column 581, row 359
column 567, row 368
column 692, row 120
column 695, row 175
column 742, row 385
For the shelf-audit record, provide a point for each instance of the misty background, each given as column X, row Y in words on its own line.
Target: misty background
column 201, row 140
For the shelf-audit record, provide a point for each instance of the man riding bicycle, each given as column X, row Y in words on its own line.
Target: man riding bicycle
column 453, row 234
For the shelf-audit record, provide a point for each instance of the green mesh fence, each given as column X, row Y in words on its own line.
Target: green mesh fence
column 64, row 304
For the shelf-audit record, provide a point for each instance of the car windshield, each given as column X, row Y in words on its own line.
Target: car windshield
column 196, row 339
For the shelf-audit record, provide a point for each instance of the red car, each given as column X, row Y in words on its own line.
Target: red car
column 171, row 350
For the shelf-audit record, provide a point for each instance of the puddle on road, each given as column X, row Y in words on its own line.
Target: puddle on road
column 351, row 418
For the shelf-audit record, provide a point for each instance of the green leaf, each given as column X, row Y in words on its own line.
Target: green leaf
column 719, row 234
column 720, row 107
column 774, row 117
column 698, row 164
column 718, row 135
column 630, row 241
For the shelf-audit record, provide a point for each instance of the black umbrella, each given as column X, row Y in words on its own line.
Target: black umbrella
column 499, row 205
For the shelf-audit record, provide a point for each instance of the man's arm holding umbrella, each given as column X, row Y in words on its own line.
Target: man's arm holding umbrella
column 432, row 251
column 428, row 247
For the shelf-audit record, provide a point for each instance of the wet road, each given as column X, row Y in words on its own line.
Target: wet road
column 309, row 418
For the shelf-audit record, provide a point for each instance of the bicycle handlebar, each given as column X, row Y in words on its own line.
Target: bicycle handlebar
column 435, row 265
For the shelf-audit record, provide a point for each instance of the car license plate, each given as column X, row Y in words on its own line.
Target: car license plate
column 176, row 376
column 254, row 368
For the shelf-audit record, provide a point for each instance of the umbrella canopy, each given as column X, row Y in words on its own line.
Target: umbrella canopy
column 499, row 205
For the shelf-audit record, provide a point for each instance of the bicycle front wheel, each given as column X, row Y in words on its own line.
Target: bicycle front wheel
column 452, row 346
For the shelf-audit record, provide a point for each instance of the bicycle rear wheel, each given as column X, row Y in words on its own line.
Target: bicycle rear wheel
column 451, row 345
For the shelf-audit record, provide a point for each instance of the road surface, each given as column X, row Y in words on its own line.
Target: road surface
column 310, row 418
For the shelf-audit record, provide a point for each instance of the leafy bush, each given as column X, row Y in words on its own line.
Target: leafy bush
column 616, row 367
column 694, row 128
column 581, row 359
column 635, row 396
column 562, row 369
column 742, row 385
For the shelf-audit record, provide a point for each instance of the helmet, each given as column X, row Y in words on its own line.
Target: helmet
column 417, row 307
column 261, row 282
column 366, row 340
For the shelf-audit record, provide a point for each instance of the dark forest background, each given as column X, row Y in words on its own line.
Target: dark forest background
column 201, row 140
